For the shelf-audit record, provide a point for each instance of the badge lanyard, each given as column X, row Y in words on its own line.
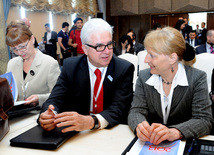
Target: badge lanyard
column 24, row 88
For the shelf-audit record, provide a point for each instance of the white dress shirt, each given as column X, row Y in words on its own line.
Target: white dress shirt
column 156, row 81
column 92, row 68
column 192, row 43
column 208, row 48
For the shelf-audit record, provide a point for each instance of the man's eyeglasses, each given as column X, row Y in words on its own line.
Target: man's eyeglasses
column 101, row 47
column 21, row 48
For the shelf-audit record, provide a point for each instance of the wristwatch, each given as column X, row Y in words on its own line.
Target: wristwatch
column 181, row 135
column 96, row 123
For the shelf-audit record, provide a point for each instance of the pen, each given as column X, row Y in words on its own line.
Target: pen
column 191, row 146
column 54, row 111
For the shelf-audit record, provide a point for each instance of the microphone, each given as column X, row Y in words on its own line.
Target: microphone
column 32, row 72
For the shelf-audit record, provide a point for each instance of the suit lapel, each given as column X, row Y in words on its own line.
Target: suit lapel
column 178, row 94
column 156, row 101
column 84, row 78
column 45, row 37
column 52, row 35
column 84, row 70
column 34, row 67
column 19, row 71
column 109, row 78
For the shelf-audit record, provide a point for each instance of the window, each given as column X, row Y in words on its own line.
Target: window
column 51, row 20
column 73, row 16
column 22, row 12
column 197, row 18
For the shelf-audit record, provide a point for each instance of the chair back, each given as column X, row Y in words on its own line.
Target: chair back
column 205, row 62
column 133, row 59
column 141, row 57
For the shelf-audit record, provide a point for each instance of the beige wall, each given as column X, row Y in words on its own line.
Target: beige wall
column 39, row 19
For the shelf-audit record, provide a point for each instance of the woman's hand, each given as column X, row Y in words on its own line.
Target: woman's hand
column 212, row 96
column 160, row 133
column 143, row 131
column 128, row 47
column 32, row 100
column 156, row 133
column 123, row 45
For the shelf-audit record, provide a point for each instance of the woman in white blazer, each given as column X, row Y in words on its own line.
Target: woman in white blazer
column 35, row 73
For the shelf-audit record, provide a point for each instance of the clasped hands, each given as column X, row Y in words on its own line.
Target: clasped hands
column 74, row 121
column 156, row 133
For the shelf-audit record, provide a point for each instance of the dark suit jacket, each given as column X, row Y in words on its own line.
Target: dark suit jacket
column 197, row 42
column 201, row 49
column 118, row 51
column 53, row 38
column 190, row 109
column 138, row 47
column 72, row 90
column 203, row 36
column 187, row 29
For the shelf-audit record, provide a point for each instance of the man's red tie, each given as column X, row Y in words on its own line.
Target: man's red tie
column 98, row 104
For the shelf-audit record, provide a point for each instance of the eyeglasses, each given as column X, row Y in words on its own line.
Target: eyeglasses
column 101, row 47
column 21, row 48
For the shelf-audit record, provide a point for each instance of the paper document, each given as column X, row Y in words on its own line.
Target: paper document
column 164, row 148
column 19, row 103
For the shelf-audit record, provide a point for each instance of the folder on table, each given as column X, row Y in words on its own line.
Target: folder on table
column 38, row 138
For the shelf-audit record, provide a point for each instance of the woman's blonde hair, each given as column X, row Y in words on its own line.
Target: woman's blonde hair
column 167, row 41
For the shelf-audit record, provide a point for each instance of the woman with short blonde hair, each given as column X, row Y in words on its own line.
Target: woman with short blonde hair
column 171, row 98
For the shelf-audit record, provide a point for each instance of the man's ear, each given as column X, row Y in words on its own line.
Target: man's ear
column 85, row 49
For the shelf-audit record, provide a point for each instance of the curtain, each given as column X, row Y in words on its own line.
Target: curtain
column 6, row 7
column 102, row 7
column 84, row 7
column 3, row 47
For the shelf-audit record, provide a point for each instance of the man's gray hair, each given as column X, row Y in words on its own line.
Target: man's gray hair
column 94, row 26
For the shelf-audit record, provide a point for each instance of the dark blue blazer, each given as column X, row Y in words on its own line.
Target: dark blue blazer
column 138, row 47
column 197, row 42
column 72, row 91
column 201, row 49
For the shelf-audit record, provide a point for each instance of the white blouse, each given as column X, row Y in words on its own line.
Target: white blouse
column 156, row 81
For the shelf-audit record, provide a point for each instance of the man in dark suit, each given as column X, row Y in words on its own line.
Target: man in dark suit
column 83, row 99
column 187, row 29
column 208, row 46
column 193, row 41
column 203, row 34
column 137, row 46
column 50, row 39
